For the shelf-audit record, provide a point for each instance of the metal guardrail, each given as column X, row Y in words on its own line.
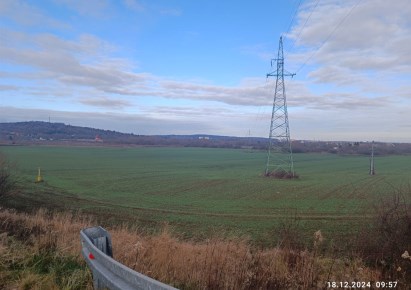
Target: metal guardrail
column 107, row 272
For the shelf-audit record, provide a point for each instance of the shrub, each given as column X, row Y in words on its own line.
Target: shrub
column 281, row 174
column 384, row 243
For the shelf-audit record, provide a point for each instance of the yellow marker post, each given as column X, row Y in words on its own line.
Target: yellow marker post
column 39, row 178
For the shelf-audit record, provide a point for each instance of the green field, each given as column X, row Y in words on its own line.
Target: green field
column 201, row 191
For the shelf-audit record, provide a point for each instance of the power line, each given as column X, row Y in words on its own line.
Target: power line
column 329, row 36
column 292, row 19
column 301, row 30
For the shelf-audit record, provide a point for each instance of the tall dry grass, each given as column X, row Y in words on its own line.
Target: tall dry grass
column 43, row 229
column 40, row 251
column 212, row 264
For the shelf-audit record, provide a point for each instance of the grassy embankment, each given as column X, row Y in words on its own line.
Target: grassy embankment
column 42, row 251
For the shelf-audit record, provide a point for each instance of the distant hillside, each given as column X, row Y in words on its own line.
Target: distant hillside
column 45, row 133
column 57, row 133
column 30, row 131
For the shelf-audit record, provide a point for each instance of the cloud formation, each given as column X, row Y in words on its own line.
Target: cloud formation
column 26, row 14
column 134, row 5
column 105, row 102
column 94, row 8
column 360, row 35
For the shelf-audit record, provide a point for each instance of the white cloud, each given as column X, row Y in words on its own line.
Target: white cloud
column 171, row 11
column 356, row 79
column 94, row 8
column 105, row 102
column 134, row 5
column 8, row 88
column 84, row 62
column 26, row 14
column 375, row 35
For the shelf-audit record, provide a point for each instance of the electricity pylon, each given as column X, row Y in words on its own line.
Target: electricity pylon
column 280, row 155
column 372, row 167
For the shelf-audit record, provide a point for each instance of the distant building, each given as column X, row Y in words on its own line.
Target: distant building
column 98, row 139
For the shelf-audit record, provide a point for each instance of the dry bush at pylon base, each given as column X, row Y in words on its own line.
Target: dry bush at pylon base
column 281, row 174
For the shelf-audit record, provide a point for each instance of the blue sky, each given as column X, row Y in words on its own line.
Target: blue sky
column 187, row 67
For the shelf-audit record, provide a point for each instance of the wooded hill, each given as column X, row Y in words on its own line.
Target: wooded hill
column 56, row 133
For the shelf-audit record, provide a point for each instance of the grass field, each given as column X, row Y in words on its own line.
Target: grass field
column 202, row 191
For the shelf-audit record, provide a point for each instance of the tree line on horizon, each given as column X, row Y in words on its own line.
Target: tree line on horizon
column 34, row 132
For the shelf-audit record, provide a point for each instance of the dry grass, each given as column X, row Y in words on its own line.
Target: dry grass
column 41, row 251
column 212, row 264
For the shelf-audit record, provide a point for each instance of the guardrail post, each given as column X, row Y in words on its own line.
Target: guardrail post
column 107, row 272
column 102, row 240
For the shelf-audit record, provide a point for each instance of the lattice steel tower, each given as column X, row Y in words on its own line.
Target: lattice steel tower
column 372, row 165
column 280, row 155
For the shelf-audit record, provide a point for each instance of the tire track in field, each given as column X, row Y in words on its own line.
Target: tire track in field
column 340, row 188
column 305, row 216
column 352, row 190
column 364, row 187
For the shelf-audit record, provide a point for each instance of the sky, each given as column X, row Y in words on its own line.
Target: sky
column 199, row 67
